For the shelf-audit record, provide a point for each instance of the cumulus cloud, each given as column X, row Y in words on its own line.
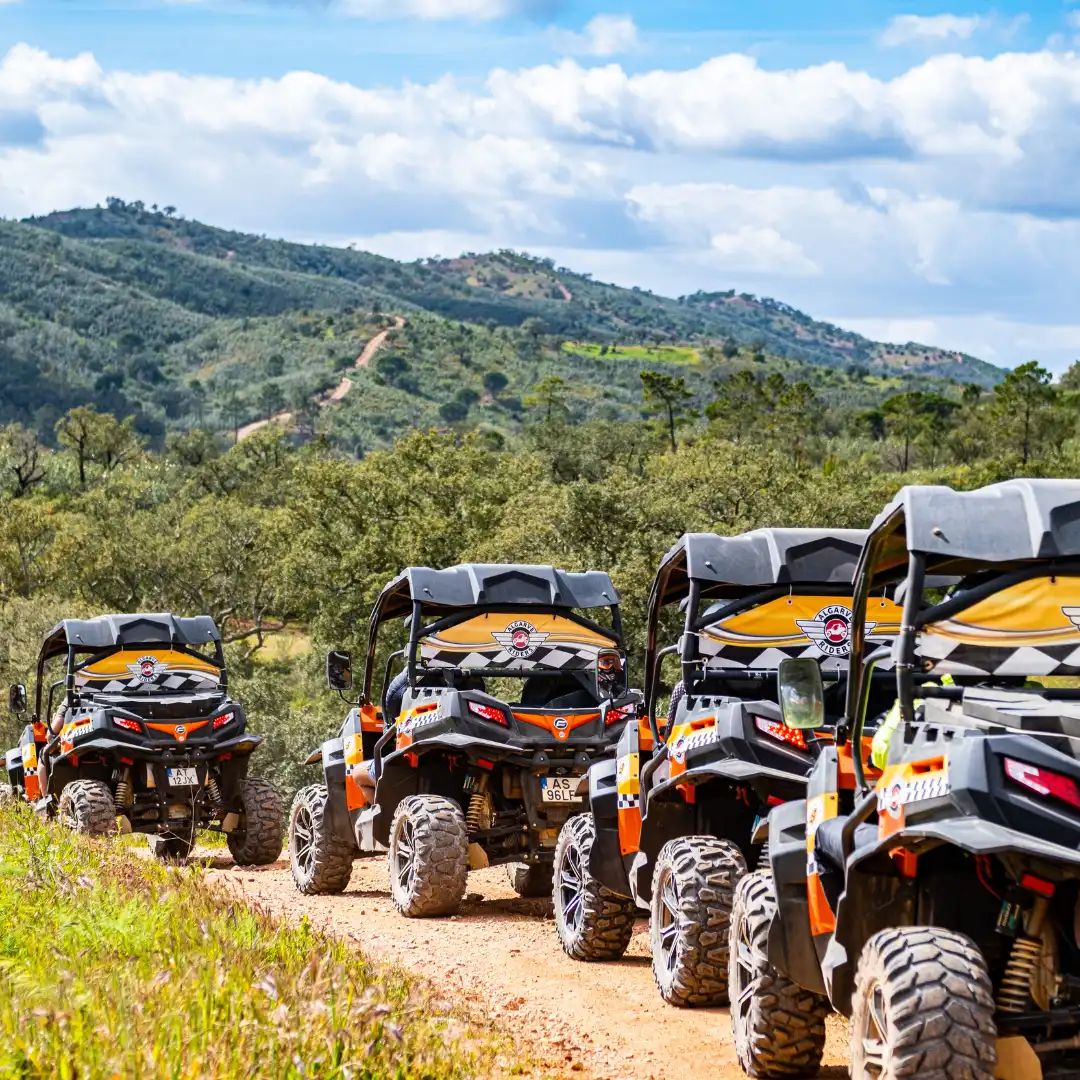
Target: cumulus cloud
column 933, row 29
column 943, row 192
column 604, row 35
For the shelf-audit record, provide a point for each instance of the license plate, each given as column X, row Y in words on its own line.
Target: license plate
column 559, row 789
column 183, row 777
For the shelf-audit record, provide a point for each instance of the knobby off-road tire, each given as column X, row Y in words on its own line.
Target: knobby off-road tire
column 779, row 1028
column 261, row 834
column 530, row 880
column 923, row 1007
column 320, row 861
column 88, row 807
column 429, row 856
column 690, row 915
column 593, row 922
column 171, row 848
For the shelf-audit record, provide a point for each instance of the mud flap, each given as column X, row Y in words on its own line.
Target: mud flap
column 1016, row 1060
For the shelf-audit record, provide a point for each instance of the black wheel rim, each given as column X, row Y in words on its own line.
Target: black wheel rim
column 303, row 838
column 571, row 891
column 667, row 929
column 405, row 858
column 873, row 1035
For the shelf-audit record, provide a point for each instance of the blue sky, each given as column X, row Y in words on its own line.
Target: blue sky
column 907, row 169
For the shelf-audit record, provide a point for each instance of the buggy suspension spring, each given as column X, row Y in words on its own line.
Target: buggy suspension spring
column 125, row 793
column 1014, row 993
column 213, row 791
column 478, row 816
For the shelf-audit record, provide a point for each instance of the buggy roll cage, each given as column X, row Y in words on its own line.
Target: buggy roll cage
column 459, row 593
column 746, row 571
column 100, row 637
column 932, row 536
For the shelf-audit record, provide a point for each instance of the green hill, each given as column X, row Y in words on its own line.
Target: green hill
column 142, row 312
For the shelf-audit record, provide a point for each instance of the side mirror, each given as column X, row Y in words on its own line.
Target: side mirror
column 802, row 694
column 17, row 698
column 339, row 670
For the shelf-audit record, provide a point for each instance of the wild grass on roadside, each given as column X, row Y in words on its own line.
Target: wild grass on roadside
column 114, row 966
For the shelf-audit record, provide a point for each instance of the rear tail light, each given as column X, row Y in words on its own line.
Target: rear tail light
column 489, row 712
column 128, row 725
column 1043, row 782
column 222, row 720
column 616, row 716
column 781, row 732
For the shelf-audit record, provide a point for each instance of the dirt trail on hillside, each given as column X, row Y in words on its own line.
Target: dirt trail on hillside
column 501, row 959
column 343, row 387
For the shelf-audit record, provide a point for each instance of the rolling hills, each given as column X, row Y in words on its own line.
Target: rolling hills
column 140, row 311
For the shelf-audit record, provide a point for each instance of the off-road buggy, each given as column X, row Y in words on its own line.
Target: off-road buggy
column 935, row 902
column 133, row 728
column 671, row 818
column 509, row 690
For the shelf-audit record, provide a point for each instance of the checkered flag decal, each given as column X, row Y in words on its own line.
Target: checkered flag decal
column 627, row 802
column 949, row 657
column 171, row 682
column 552, row 656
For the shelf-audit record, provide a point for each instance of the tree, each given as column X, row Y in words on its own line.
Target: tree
column 669, row 396
column 1022, row 401
column 21, row 458
column 495, row 382
column 271, row 400
column 98, row 438
column 916, row 417
column 552, row 395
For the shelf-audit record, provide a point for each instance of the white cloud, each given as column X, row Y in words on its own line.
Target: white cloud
column 604, row 35
column 933, row 29
column 943, row 193
column 480, row 10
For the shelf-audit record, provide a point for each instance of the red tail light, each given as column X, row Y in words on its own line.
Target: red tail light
column 222, row 720
column 1047, row 784
column 489, row 712
column 615, row 716
column 128, row 725
column 781, row 732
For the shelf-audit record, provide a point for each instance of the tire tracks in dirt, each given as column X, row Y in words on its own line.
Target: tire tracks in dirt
column 500, row 959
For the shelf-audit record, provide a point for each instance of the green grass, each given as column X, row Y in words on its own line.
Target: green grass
column 642, row 354
column 114, row 966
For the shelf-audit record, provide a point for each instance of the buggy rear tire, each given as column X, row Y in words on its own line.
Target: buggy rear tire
column 778, row 1027
column 88, row 807
column 261, row 834
column 690, row 916
column 320, row 861
column 530, row 880
column 429, row 856
column 593, row 923
column 923, row 1006
column 169, row 848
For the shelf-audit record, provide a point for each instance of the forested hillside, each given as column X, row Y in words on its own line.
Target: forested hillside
column 179, row 325
column 287, row 544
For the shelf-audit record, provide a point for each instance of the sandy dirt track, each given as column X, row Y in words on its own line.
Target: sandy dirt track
column 284, row 419
column 500, row 958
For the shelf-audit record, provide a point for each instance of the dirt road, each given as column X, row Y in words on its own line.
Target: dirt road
column 343, row 387
column 501, row 958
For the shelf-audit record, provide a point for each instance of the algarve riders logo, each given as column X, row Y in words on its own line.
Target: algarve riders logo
column 520, row 639
column 146, row 669
column 830, row 629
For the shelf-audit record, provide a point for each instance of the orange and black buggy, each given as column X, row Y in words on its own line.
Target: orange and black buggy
column 133, row 727
column 671, row 819
column 936, row 900
column 512, row 681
